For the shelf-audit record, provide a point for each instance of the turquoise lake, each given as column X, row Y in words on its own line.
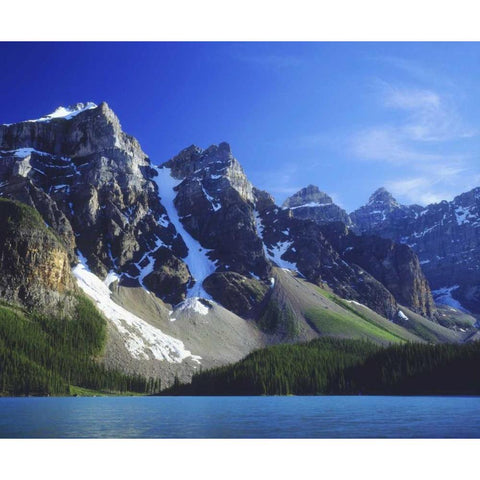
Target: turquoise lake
column 240, row 417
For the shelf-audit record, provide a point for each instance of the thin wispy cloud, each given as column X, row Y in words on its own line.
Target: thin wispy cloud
column 425, row 116
column 432, row 187
column 416, row 71
column 415, row 189
column 389, row 144
column 423, row 135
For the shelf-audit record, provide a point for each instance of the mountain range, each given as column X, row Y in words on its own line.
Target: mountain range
column 193, row 267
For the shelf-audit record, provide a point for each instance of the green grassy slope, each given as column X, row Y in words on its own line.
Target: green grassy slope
column 430, row 331
column 306, row 306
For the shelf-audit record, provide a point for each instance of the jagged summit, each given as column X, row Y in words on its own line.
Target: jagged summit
column 194, row 158
column 382, row 196
column 310, row 196
column 215, row 168
column 313, row 204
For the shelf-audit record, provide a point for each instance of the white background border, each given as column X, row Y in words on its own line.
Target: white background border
column 247, row 20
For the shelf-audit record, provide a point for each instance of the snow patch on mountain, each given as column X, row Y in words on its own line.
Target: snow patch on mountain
column 24, row 152
column 215, row 205
column 308, row 205
column 141, row 339
column 443, row 296
column 147, row 269
column 465, row 215
column 66, row 112
column 275, row 253
column 193, row 304
column 111, row 278
column 198, row 263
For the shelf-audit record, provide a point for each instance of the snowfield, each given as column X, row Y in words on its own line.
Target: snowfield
column 275, row 253
column 66, row 113
column 192, row 304
column 142, row 340
column 197, row 260
column 443, row 296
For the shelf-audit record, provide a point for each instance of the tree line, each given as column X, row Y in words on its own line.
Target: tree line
column 329, row 366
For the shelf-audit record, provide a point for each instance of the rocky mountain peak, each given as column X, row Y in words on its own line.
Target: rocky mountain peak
column 263, row 200
column 313, row 204
column 215, row 167
column 193, row 159
column 308, row 195
column 382, row 197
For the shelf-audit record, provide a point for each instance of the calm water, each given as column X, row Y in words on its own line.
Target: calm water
column 241, row 417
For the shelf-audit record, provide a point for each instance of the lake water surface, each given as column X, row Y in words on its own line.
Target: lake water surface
column 240, row 417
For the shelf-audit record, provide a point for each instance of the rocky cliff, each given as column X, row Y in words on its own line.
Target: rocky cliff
column 394, row 265
column 301, row 245
column 34, row 265
column 194, row 218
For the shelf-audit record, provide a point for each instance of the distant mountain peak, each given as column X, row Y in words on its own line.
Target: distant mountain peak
column 382, row 196
column 313, row 204
column 310, row 196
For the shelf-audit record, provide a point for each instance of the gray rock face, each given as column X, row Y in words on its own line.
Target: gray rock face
column 445, row 236
column 394, row 265
column 312, row 204
column 239, row 294
column 216, row 164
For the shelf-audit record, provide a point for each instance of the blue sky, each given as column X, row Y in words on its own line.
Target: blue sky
column 348, row 117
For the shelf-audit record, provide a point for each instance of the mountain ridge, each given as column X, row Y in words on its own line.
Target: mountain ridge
column 191, row 250
column 445, row 236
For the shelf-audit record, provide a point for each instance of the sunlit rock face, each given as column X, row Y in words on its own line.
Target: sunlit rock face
column 34, row 265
